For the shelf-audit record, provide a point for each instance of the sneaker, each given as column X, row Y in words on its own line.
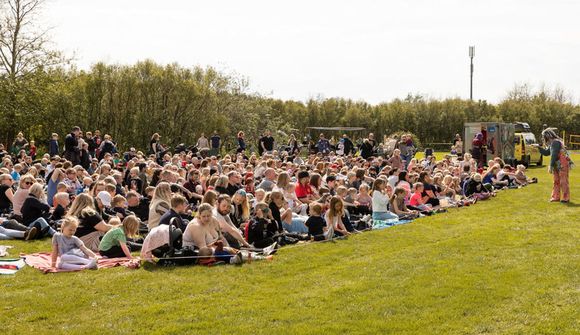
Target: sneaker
column 564, row 201
column 269, row 250
column 237, row 259
column 93, row 264
column 554, row 200
column 30, row 234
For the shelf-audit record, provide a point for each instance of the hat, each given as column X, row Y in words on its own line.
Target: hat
column 105, row 198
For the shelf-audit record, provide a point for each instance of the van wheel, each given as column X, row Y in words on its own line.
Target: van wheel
column 541, row 161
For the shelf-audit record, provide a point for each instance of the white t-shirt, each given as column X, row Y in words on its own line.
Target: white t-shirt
column 392, row 180
column 380, row 202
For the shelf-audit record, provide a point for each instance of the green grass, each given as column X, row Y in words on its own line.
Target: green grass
column 509, row 265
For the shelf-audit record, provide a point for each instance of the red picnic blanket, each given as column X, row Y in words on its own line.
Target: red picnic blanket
column 41, row 261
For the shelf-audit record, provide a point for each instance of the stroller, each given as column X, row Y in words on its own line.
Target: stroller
column 173, row 254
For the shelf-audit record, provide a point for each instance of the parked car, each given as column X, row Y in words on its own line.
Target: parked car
column 524, row 150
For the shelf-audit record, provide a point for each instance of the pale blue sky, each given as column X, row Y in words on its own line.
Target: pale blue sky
column 369, row 50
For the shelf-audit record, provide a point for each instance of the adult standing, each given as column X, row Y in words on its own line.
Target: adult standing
column 458, row 144
column 202, row 142
column 215, row 141
column 53, row 145
column 97, row 139
column 261, row 144
column 477, row 149
column 107, row 146
column 19, row 143
column 71, row 146
column 241, row 143
column 560, row 164
column 372, row 141
column 366, row 149
column 293, row 145
column 202, row 145
column 348, row 145
column 268, row 142
column 323, row 145
column 154, row 146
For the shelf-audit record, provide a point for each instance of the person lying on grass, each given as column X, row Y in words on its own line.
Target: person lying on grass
column 72, row 251
column 114, row 243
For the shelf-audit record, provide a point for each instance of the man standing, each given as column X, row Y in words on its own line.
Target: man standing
column 323, row 146
column 215, row 144
column 261, row 144
column 268, row 142
column 71, row 146
column 366, row 149
column 348, row 145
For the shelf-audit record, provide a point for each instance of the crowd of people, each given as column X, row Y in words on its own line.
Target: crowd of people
column 93, row 200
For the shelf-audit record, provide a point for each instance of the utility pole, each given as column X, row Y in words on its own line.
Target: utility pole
column 471, row 55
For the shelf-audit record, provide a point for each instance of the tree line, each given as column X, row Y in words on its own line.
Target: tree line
column 131, row 102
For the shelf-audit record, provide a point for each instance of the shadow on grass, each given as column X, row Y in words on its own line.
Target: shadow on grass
column 571, row 204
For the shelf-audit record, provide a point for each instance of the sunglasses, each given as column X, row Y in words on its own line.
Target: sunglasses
column 28, row 183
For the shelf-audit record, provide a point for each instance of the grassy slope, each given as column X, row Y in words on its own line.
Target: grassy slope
column 506, row 266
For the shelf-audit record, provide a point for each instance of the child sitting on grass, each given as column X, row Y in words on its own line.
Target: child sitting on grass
column 521, row 178
column 363, row 200
column 263, row 228
column 418, row 201
column 72, row 251
column 315, row 222
column 397, row 205
column 114, row 244
column 119, row 207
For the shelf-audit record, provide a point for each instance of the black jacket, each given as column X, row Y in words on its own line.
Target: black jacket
column 32, row 209
column 71, row 144
column 261, row 230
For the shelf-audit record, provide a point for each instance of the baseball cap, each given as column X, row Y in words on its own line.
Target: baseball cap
column 105, row 198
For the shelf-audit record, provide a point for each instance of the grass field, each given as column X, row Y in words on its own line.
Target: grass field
column 510, row 265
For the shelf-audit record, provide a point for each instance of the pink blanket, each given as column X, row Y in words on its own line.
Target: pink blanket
column 41, row 261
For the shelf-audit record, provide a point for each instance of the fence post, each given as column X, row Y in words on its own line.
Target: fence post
column 564, row 137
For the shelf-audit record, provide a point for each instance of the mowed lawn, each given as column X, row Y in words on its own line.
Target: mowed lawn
column 510, row 265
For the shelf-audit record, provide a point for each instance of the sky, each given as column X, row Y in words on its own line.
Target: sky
column 364, row 50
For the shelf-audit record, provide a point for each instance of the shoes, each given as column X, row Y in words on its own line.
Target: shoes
column 564, row 201
column 269, row 250
column 93, row 264
column 30, row 234
column 554, row 200
column 237, row 259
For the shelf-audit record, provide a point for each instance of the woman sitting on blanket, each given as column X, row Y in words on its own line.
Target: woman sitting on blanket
column 91, row 225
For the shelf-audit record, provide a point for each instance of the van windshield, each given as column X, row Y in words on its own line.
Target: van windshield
column 530, row 138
